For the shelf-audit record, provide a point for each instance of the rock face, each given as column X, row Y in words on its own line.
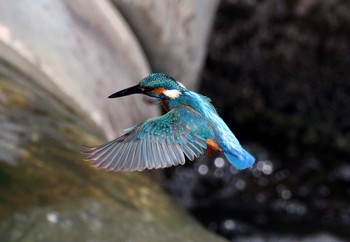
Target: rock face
column 84, row 49
column 88, row 51
column 49, row 194
column 173, row 33
column 59, row 60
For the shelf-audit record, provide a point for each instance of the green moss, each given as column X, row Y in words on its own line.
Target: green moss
column 49, row 193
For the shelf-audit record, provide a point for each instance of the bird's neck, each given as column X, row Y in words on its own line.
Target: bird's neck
column 189, row 98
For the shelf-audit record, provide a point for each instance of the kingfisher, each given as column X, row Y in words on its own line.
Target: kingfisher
column 190, row 126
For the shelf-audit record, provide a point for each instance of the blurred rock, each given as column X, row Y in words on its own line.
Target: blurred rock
column 82, row 52
column 59, row 60
column 87, row 50
column 49, row 194
column 96, row 220
column 173, row 34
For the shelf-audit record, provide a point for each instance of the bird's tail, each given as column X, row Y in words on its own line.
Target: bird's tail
column 241, row 159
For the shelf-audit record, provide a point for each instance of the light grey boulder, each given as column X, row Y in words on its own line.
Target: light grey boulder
column 59, row 60
column 173, row 34
column 83, row 49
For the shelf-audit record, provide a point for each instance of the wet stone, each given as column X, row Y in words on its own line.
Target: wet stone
column 48, row 193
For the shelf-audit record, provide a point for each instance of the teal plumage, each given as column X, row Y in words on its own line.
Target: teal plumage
column 191, row 126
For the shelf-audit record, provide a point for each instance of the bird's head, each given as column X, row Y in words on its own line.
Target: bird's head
column 156, row 85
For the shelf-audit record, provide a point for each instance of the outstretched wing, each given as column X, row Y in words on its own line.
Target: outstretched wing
column 156, row 143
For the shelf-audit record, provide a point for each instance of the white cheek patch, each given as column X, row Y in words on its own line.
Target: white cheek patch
column 172, row 94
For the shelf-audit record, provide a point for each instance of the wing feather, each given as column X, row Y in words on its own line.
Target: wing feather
column 179, row 154
column 195, row 148
column 127, row 156
column 166, row 155
column 162, row 161
column 138, row 159
column 133, row 155
column 150, row 153
column 156, row 143
column 118, row 160
column 158, row 163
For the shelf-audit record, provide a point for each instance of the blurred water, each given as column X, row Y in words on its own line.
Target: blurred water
column 277, row 72
column 267, row 200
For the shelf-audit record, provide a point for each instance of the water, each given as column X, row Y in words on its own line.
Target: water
column 282, row 85
column 268, row 199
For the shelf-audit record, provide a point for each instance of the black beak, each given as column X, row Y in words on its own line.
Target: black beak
column 127, row 91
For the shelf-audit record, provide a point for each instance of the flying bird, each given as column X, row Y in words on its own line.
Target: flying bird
column 190, row 126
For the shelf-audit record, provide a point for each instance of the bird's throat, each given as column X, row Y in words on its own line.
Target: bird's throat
column 165, row 105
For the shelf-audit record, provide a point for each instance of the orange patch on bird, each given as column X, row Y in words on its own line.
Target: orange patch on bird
column 158, row 90
column 212, row 145
column 165, row 105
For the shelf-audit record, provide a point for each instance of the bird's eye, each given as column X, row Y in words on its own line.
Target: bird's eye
column 145, row 89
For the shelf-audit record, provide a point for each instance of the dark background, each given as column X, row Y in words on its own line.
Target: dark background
column 278, row 72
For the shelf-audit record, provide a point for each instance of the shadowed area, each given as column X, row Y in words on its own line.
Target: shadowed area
column 277, row 72
column 48, row 193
